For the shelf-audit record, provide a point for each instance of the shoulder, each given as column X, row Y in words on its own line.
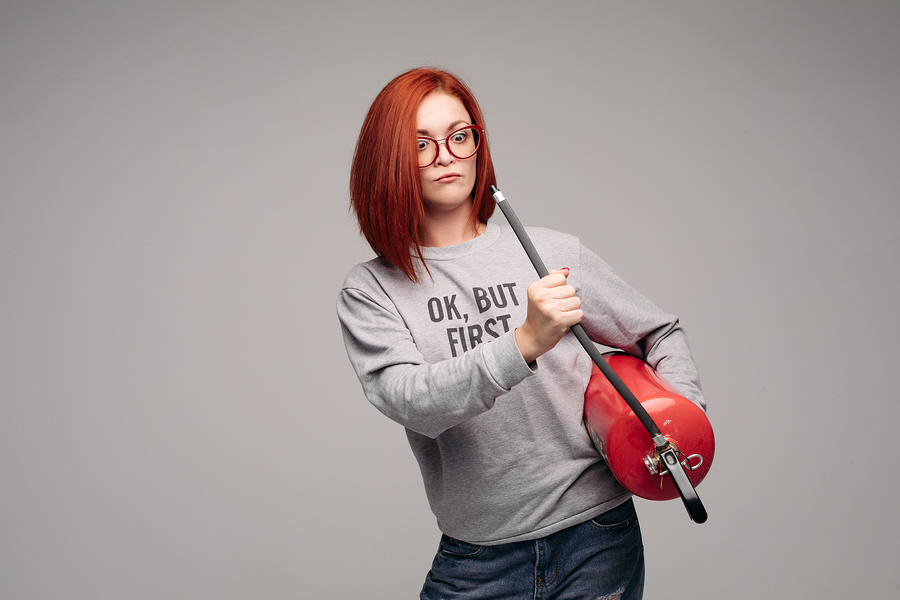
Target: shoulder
column 365, row 293
column 541, row 236
column 373, row 275
column 362, row 275
column 556, row 248
column 551, row 236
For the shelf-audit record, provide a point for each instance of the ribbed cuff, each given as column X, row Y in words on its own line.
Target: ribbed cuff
column 505, row 362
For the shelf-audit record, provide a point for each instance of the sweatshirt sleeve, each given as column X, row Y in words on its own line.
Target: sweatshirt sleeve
column 423, row 397
column 618, row 316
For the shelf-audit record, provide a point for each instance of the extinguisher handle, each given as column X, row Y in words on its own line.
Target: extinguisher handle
column 685, row 488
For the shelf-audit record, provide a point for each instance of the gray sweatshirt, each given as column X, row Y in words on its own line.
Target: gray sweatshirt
column 500, row 443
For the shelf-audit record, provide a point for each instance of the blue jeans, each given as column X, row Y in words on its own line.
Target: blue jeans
column 598, row 559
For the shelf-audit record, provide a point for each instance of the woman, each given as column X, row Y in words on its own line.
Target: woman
column 452, row 337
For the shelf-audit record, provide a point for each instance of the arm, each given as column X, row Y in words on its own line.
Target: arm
column 617, row 315
column 427, row 398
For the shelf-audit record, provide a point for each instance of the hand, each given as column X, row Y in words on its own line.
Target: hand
column 553, row 307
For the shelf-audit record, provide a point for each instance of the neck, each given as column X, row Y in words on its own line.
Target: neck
column 448, row 229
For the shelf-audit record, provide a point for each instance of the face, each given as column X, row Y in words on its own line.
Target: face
column 447, row 184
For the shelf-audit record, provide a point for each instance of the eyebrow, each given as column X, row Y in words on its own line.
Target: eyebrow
column 451, row 127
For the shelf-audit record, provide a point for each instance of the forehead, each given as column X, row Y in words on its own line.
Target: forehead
column 439, row 112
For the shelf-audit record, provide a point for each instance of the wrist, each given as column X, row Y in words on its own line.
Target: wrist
column 526, row 345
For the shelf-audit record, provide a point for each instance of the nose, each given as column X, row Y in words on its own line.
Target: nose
column 444, row 157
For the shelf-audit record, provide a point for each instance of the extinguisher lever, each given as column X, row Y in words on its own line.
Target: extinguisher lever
column 685, row 488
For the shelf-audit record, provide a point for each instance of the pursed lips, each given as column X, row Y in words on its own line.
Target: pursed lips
column 448, row 177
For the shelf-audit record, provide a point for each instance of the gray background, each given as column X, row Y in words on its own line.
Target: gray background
column 178, row 418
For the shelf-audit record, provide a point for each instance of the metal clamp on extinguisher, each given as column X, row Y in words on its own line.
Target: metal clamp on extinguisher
column 618, row 416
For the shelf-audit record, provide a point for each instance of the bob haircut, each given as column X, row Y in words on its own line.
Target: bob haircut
column 385, row 185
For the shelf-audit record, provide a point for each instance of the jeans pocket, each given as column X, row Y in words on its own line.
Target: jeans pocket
column 458, row 548
column 619, row 517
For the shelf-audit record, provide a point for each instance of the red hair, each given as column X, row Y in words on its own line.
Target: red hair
column 385, row 185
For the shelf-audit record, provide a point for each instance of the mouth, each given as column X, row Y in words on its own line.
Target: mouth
column 448, row 177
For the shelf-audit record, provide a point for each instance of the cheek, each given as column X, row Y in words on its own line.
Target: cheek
column 424, row 180
column 472, row 170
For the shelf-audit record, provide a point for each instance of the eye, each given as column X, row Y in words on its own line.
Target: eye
column 423, row 144
column 459, row 137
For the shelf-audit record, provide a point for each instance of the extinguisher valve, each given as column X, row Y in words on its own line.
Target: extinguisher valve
column 652, row 464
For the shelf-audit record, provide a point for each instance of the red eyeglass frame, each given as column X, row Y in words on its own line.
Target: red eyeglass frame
column 443, row 140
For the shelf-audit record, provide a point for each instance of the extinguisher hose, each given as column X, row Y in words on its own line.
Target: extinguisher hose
column 577, row 329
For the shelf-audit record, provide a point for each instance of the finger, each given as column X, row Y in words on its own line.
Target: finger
column 570, row 304
column 564, row 271
column 561, row 292
column 574, row 316
column 555, row 278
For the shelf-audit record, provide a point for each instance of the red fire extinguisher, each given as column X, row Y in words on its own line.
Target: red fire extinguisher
column 623, row 440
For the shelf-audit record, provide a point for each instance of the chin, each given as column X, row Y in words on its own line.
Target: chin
column 448, row 200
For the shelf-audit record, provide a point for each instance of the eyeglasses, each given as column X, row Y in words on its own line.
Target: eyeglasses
column 461, row 143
